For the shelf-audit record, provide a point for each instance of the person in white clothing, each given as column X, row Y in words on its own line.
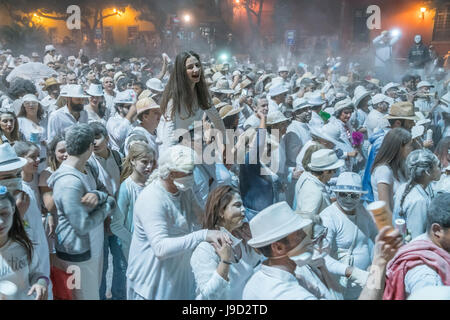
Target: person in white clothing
column 33, row 125
column 15, row 245
column 109, row 94
column 120, row 125
column 185, row 100
column 388, row 167
column 409, row 271
column 311, row 192
column 166, row 231
column 289, row 243
column 221, row 271
column 96, row 108
column 316, row 103
column 383, row 52
column 351, row 232
column 277, row 99
column 73, row 112
column 380, row 105
column 52, row 86
column 148, row 114
column 414, row 197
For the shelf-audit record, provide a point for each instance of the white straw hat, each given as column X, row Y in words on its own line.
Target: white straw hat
column 95, row 90
column 343, row 104
column 275, row 117
column 360, row 94
column 125, row 97
column 73, row 91
column 155, row 84
column 274, row 223
column 390, row 85
column 325, row 159
column 9, row 159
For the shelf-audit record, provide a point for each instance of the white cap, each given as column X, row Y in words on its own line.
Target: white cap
column 424, row 84
column 390, row 85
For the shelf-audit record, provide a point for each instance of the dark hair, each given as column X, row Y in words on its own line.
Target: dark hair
column 267, row 250
column 390, row 150
column 141, row 115
column 439, row 211
column 23, row 113
column 179, row 88
column 17, row 232
column 79, row 138
column 20, row 87
column 407, row 78
column 15, row 135
column 138, row 83
column 99, row 128
column 51, row 152
column 218, row 200
column 230, row 121
column 441, row 151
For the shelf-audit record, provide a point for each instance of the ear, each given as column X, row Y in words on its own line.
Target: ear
column 278, row 248
column 436, row 231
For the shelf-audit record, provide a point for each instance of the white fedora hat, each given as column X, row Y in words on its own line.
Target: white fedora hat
column 9, row 159
column 73, row 91
column 360, row 94
column 275, row 117
column 283, row 69
column 320, row 133
column 349, row 182
column 343, row 104
column 424, row 84
column 325, row 159
column 155, row 84
column 95, row 90
column 299, row 104
column 274, row 223
column 276, row 90
column 49, row 47
column 390, row 85
column 379, row 97
column 125, row 97
column 316, row 100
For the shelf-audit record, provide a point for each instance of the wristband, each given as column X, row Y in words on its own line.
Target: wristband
column 226, row 262
column 47, row 281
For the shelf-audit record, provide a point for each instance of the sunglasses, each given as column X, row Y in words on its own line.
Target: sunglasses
column 349, row 195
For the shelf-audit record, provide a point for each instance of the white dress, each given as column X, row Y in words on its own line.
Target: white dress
column 164, row 237
column 210, row 285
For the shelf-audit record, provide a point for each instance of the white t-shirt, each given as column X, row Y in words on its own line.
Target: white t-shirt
column 15, row 267
column 383, row 174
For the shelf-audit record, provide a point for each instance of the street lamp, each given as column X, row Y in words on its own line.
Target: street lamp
column 423, row 10
column 187, row 18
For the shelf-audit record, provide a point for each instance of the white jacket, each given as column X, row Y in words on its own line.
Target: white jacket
column 312, row 195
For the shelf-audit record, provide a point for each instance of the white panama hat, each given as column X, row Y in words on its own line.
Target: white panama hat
column 360, row 94
column 349, row 182
column 155, row 84
column 9, row 160
column 277, row 90
column 73, row 91
column 95, row 90
column 275, row 117
column 390, row 85
column 379, row 97
column 125, row 97
column 274, row 223
column 325, row 159
column 424, row 84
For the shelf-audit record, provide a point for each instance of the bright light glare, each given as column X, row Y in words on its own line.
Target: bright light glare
column 396, row 32
column 187, row 18
column 423, row 9
column 224, row 57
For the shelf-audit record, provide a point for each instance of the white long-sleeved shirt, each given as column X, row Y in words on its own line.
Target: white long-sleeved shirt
column 60, row 120
column 270, row 283
column 383, row 50
column 210, row 285
column 118, row 129
column 164, row 237
column 341, row 231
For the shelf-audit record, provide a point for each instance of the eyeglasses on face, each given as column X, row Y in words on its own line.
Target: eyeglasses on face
column 349, row 195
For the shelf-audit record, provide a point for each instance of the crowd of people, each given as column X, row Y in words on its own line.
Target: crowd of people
column 238, row 180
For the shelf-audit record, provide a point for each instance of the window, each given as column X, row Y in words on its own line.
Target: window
column 441, row 31
column 133, row 33
column 108, row 35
